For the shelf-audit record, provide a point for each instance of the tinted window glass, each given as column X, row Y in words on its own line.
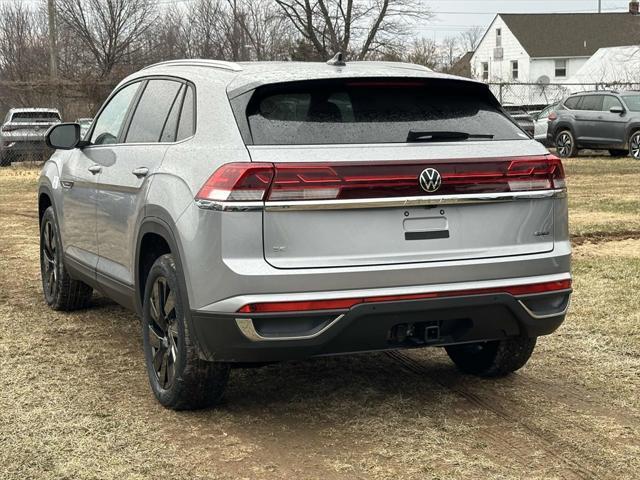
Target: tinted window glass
column 592, row 102
column 187, row 116
column 633, row 102
column 372, row 111
column 152, row 110
column 171, row 125
column 110, row 120
column 572, row 103
column 24, row 117
column 610, row 102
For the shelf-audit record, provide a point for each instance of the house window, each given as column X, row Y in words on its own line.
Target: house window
column 514, row 69
column 561, row 68
column 498, row 37
column 485, row 71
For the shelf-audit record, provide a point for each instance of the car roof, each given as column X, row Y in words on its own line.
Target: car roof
column 34, row 109
column 244, row 76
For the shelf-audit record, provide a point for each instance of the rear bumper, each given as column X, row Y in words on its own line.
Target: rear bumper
column 235, row 337
column 23, row 146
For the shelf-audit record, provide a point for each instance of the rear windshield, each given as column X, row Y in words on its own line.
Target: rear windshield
column 34, row 116
column 633, row 102
column 373, row 111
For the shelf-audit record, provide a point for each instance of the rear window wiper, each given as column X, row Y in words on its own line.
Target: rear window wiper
column 425, row 136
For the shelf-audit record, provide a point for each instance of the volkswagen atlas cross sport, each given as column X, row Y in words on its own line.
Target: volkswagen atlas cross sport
column 261, row 212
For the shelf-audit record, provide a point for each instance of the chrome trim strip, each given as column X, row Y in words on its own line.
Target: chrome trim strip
column 548, row 315
column 431, row 200
column 230, row 206
column 248, row 330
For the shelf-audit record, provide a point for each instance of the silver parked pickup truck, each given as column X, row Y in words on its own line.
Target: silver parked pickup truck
column 23, row 131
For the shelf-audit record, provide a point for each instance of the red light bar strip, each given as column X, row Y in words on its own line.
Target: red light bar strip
column 347, row 303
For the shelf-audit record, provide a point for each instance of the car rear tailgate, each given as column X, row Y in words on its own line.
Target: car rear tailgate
column 427, row 228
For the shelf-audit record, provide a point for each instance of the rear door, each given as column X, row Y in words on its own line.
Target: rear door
column 362, row 166
column 125, row 178
column 589, row 120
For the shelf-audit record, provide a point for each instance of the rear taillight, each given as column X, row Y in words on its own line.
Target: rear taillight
column 346, row 303
column 238, row 182
column 552, row 116
column 347, row 181
column 8, row 128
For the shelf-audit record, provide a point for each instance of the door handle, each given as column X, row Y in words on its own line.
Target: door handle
column 141, row 172
column 66, row 184
column 95, row 169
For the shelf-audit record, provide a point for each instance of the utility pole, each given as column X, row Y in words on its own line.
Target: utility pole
column 53, row 47
column 599, row 6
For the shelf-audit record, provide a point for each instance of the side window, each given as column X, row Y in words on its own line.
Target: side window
column 572, row 103
column 152, row 110
column 187, row 126
column 609, row 102
column 592, row 103
column 171, row 125
column 109, row 123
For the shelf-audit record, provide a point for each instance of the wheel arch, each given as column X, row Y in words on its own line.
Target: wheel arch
column 156, row 232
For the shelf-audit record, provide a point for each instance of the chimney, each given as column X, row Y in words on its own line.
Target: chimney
column 634, row 7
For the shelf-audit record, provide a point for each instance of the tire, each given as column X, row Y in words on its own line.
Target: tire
column 618, row 153
column 634, row 145
column 565, row 144
column 61, row 292
column 492, row 359
column 179, row 378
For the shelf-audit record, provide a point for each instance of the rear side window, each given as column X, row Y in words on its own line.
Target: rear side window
column 187, row 126
column 373, row 111
column 592, row 103
column 152, row 111
column 572, row 103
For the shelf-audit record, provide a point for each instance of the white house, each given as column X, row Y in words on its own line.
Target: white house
column 549, row 48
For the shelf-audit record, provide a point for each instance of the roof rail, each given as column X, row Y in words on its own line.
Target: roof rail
column 198, row 62
column 594, row 91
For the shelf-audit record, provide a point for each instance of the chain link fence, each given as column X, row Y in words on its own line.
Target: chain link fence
column 534, row 96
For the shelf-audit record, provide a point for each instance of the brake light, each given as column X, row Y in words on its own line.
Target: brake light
column 552, row 116
column 347, row 303
column 347, row 180
column 237, row 182
column 8, row 128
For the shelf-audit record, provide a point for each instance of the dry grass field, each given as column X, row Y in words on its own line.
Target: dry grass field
column 75, row 403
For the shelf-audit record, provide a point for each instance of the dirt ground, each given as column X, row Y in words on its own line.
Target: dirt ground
column 75, row 403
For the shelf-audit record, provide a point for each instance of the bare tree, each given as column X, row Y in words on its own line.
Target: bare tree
column 110, row 29
column 469, row 39
column 424, row 51
column 450, row 53
column 23, row 42
column 359, row 28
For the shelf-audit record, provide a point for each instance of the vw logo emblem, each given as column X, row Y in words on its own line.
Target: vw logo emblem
column 430, row 180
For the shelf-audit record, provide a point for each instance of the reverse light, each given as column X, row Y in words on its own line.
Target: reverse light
column 347, row 303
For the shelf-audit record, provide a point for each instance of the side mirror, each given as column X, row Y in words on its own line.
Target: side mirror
column 64, row 136
column 618, row 110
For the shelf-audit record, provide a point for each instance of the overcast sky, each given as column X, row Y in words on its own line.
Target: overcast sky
column 454, row 16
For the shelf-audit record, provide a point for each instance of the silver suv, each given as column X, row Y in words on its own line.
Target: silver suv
column 23, row 131
column 260, row 212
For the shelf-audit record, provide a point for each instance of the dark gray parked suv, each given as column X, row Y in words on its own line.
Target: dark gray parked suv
column 599, row 120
